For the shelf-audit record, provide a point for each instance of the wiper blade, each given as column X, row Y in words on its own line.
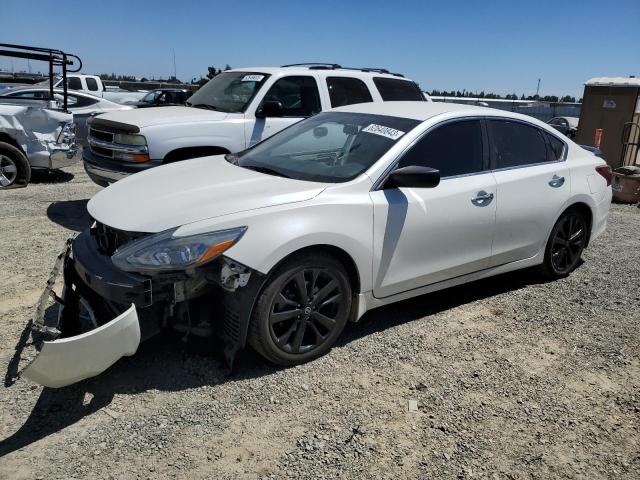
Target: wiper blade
column 203, row 105
column 267, row 170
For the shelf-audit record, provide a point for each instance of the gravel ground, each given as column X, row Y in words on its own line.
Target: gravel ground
column 505, row 378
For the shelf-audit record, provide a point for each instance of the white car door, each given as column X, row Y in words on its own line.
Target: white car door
column 300, row 99
column 533, row 186
column 426, row 235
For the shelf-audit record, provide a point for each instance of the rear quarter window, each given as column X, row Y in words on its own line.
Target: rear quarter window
column 556, row 148
column 395, row 89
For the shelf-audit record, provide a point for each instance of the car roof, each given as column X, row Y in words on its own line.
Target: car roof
column 46, row 89
column 329, row 72
column 425, row 110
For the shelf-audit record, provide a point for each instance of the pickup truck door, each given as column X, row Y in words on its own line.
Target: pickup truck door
column 300, row 99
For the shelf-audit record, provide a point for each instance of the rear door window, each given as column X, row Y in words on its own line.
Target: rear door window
column 92, row 84
column 516, row 144
column 347, row 91
column 395, row 89
column 454, row 149
column 74, row 83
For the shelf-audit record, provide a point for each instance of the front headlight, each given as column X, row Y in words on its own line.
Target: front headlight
column 128, row 139
column 162, row 252
column 67, row 133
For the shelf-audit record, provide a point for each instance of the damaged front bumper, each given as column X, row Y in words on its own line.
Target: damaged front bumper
column 58, row 350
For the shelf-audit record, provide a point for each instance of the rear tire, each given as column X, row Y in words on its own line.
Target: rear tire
column 565, row 245
column 302, row 310
column 15, row 171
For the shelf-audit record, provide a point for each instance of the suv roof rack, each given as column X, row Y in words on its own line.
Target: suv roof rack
column 316, row 65
column 335, row 66
column 52, row 56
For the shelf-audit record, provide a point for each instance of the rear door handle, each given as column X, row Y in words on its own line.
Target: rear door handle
column 556, row 181
column 482, row 199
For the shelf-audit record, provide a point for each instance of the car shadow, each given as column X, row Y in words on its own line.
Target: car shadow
column 166, row 363
column 51, row 176
column 70, row 214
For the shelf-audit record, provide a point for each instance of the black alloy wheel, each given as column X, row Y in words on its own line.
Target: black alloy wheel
column 566, row 243
column 302, row 310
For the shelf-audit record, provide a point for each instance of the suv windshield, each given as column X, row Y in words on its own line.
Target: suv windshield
column 329, row 147
column 228, row 91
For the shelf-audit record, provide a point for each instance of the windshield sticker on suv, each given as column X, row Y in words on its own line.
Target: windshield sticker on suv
column 383, row 131
column 252, row 78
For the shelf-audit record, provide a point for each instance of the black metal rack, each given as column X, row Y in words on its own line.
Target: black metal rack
column 335, row 66
column 50, row 55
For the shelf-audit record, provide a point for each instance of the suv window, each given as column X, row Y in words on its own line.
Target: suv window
column 516, row 144
column 74, row 83
column 454, row 149
column 92, row 84
column 298, row 95
column 347, row 91
column 394, row 89
column 556, row 152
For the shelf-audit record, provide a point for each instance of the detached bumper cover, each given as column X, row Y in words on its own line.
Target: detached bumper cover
column 69, row 360
column 58, row 355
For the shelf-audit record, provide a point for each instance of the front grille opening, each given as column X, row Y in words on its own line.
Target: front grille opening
column 110, row 239
column 100, row 135
column 103, row 152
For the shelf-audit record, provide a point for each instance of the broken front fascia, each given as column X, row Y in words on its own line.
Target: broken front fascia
column 46, row 136
column 66, row 352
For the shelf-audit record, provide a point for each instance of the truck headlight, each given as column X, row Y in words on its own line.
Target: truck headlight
column 162, row 251
column 129, row 139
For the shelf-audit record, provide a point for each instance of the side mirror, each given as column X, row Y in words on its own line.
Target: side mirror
column 270, row 108
column 413, row 177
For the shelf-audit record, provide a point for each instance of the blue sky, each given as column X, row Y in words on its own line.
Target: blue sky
column 499, row 46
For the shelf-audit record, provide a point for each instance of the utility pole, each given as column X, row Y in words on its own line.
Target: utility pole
column 175, row 75
column 538, row 89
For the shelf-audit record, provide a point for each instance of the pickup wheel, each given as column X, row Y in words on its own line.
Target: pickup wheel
column 15, row 170
column 301, row 311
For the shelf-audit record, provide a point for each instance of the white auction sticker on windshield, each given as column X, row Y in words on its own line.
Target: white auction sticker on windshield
column 388, row 132
column 252, row 78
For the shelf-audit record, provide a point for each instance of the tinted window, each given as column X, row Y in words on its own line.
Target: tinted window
column 454, row 149
column 516, row 144
column 32, row 94
column 347, row 91
column 392, row 89
column 556, row 152
column 74, row 83
column 298, row 95
column 92, row 84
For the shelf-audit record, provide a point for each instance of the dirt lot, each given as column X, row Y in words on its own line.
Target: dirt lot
column 513, row 378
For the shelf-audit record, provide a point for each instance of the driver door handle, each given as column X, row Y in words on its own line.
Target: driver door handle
column 556, row 181
column 482, row 199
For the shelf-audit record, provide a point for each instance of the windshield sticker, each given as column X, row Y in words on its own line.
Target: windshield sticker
column 383, row 131
column 252, row 78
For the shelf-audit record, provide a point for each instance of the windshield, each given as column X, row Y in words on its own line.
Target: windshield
column 150, row 97
column 228, row 91
column 329, row 147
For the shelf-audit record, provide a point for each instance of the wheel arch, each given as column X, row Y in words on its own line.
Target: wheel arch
column 185, row 153
column 6, row 138
column 584, row 208
column 336, row 252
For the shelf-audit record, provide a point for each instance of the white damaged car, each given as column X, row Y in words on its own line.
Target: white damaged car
column 282, row 244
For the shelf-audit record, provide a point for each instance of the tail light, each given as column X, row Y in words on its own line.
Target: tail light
column 605, row 171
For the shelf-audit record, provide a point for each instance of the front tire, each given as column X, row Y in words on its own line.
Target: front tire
column 565, row 245
column 15, row 170
column 302, row 310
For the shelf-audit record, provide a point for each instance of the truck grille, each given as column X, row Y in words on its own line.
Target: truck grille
column 102, row 144
column 110, row 239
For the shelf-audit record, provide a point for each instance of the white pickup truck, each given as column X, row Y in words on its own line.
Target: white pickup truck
column 92, row 84
column 233, row 111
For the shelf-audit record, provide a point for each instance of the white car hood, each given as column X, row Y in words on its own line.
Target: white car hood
column 192, row 190
column 148, row 117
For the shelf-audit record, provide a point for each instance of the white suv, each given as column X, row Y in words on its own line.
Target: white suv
column 232, row 112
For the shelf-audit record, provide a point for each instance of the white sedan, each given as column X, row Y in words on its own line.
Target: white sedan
column 282, row 244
